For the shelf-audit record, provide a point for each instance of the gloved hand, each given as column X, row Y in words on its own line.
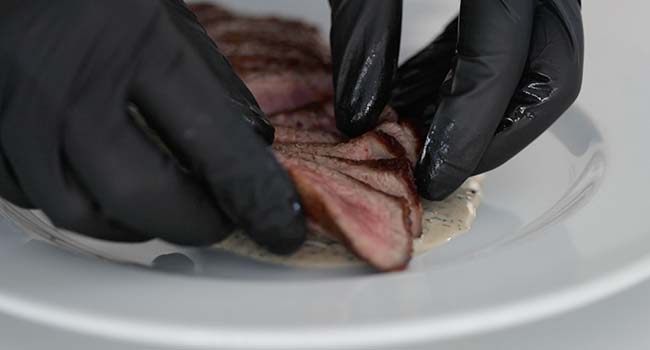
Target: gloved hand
column 70, row 70
column 497, row 77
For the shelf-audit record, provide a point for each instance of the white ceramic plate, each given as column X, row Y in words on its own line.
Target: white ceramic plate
column 562, row 225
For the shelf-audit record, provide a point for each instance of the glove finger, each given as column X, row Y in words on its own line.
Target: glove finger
column 135, row 184
column 10, row 188
column 551, row 83
column 365, row 39
column 188, row 26
column 77, row 211
column 51, row 186
column 417, row 83
column 493, row 43
column 192, row 110
column 41, row 91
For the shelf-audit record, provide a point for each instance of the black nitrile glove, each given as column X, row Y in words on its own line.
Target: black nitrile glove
column 365, row 40
column 497, row 78
column 70, row 70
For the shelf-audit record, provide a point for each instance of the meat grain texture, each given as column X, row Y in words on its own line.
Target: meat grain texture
column 360, row 191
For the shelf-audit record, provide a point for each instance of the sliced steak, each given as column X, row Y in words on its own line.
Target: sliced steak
column 392, row 176
column 317, row 116
column 360, row 191
column 250, row 53
column 298, row 90
column 406, row 137
column 289, row 135
column 388, row 115
column 270, row 31
column 207, row 13
column 371, row 145
column 320, row 116
column 284, row 63
column 270, row 27
column 249, row 59
column 373, row 224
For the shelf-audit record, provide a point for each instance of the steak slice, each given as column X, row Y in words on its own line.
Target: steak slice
column 207, row 13
column 298, row 90
column 369, row 146
column 373, row 224
column 271, row 31
column 392, row 176
column 271, row 27
column 360, row 191
column 250, row 54
column 289, row 135
column 388, row 115
column 316, row 116
column 249, row 58
column 284, row 63
column 320, row 116
column 406, row 136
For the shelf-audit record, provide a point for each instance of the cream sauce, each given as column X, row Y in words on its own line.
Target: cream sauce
column 442, row 221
